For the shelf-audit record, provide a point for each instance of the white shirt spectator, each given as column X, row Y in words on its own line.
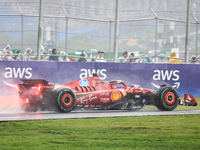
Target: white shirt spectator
column 124, row 57
column 27, row 55
column 49, row 53
column 63, row 56
column 7, row 53
column 42, row 53
column 100, row 57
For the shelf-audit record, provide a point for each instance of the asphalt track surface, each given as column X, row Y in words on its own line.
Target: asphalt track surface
column 10, row 111
column 89, row 114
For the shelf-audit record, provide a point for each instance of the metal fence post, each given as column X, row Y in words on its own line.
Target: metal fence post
column 156, row 35
column 22, row 28
column 110, row 28
column 197, row 28
column 116, row 31
column 197, row 37
column 156, row 28
column 40, row 30
column 66, row 28
column 187, row 43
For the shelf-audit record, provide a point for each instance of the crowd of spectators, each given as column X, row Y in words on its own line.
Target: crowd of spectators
column 131, row 58
column 52, row 55
column 149, row 58
column 95, row 56
column 28, row 55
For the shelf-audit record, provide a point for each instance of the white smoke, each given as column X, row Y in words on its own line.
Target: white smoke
column 10, row 104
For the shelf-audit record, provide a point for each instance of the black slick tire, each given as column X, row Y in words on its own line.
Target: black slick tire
column 64, row 99
column 166, row 98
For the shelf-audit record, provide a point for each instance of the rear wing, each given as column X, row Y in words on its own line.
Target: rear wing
column 33, row 81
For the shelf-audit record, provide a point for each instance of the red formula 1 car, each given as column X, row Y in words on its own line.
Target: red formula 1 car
column 38, row 94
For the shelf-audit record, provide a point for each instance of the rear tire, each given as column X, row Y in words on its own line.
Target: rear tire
column 167, row 98
column 64, row 100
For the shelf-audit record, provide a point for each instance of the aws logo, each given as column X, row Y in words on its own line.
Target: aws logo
column 88, row 73
column 166, row 75
column 17, row 73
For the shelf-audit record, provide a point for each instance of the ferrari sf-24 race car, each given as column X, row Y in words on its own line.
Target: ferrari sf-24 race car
column 90, row 93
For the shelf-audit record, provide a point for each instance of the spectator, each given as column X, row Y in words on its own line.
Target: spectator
column 27, row 55
column 7, row 53
column 144, row 58
column 83, row 55
column 161, row 59
column 100, row 57
column 198, row 59
column 18, row 56
column 49, row 54
column 72, row 59
column 174, row 59
column 53, row 57
column 131, row 58
column 93, row 55
column 193, row 59
column 3, row 54
column 42, row 53
column 124, row 57
column 15, row 56
column 63, row 56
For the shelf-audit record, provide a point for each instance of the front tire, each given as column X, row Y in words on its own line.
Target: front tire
column 166, row 98
column 65, row 99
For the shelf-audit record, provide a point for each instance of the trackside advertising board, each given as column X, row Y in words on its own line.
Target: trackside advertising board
column 183, row 77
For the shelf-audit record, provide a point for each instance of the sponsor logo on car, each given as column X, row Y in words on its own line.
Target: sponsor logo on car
column 84, row 82
column 116, row 95
column 138, row 91
column 104, row 94
column 104, row 100
column 137, row 96
column 85, row 101
column 136, row 107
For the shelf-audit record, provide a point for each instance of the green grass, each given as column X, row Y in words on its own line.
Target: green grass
column 140, row 133
column 179, row 107
column 124, row 133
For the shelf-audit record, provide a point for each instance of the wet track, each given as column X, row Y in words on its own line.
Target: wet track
column 10, row 110
column 89, row 114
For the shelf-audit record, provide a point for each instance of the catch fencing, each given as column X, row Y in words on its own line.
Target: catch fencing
column 153, row 31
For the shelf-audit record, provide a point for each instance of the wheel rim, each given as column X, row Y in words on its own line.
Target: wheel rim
column 67, row 100
column 170, row 98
